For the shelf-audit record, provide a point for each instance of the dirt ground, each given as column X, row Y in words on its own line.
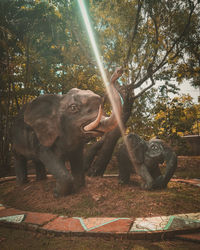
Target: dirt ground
column 106, row 197
column 12, row 239
column 100, row 197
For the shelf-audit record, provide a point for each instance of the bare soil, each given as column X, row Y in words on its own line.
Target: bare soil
column 106, row 197
column 100, row 197
column 12, row 239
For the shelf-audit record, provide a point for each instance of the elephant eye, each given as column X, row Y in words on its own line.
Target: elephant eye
column 154, row 147
column 73, row 108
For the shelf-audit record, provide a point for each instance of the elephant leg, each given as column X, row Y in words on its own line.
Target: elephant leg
column 21, row 169
column 40, row 170
column 125, row 167
column 171, row 165
column 64, row 180
column 77, row 170
column 146, row 176
column 155, row 171
column 157, row 177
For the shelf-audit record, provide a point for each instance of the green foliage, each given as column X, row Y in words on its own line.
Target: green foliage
column 155, row 115
column 44, row 48
column 141, row 120
column 175, row 117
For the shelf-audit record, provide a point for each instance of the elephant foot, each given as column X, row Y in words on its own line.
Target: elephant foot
column 64, row 187
column 147, row 186
column 78, row 185
column 21, row 181
column 124, row 182
column 159, row 183
column 40, row 178
column 94, row 173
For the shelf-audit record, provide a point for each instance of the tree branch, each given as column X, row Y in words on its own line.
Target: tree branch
column 135, row 29
column 164, row 61
column 156, row 38
column 177, row 40
column 145, row 89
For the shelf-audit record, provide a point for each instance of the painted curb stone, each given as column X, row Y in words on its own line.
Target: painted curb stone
column 14, row 218
column 163, row 223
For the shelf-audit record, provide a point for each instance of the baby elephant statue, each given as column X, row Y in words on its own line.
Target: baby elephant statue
column 53, row 129
column 145, row 158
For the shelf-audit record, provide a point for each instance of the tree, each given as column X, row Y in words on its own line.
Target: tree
column 9, row 47
column 28, row 32
column 147, row 38
column 39, row 54
column 45, row 49
column 189, row 68
column 174, row 118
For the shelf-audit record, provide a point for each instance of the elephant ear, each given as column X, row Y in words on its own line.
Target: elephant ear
column 43, row 116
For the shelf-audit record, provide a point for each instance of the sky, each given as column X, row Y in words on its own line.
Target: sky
column 186, row 88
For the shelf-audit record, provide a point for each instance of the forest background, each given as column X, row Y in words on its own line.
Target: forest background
column 44, row 48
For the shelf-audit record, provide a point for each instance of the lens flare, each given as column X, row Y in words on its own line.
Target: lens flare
column 105, row 79
column 99, row 62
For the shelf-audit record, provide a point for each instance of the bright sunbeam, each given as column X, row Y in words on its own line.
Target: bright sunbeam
column 92, row 40
column 99, row 62
column 105, row 79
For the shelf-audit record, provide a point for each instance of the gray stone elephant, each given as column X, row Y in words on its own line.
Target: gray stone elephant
column 145, row 158
column 53, row 129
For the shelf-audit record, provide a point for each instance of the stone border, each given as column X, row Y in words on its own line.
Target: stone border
column 160, row 227
column 101, row 227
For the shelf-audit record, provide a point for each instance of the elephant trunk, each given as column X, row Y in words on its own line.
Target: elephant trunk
column 105, row 124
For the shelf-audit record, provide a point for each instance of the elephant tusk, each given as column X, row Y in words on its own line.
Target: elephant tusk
column 96, row 122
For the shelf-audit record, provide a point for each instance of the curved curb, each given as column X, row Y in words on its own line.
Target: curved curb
column 160, row 227
column 11, row 178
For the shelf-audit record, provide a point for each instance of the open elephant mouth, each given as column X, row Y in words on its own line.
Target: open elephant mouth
column 100, row 124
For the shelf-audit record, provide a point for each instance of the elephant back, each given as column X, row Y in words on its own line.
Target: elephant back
column 42, row 114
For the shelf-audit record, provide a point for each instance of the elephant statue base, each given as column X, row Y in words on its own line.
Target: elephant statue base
column 145, row 158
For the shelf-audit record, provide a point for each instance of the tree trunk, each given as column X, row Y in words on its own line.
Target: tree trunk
column 91, row 153
column 100, row 153
column 27, row 72
column 101, row 160
column 5, row 121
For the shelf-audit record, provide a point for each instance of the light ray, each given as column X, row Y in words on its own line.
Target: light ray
column 105, row 80
column 99, row 62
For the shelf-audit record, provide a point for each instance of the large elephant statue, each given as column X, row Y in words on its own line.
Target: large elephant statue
column 144, row 158
column 53, row 129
